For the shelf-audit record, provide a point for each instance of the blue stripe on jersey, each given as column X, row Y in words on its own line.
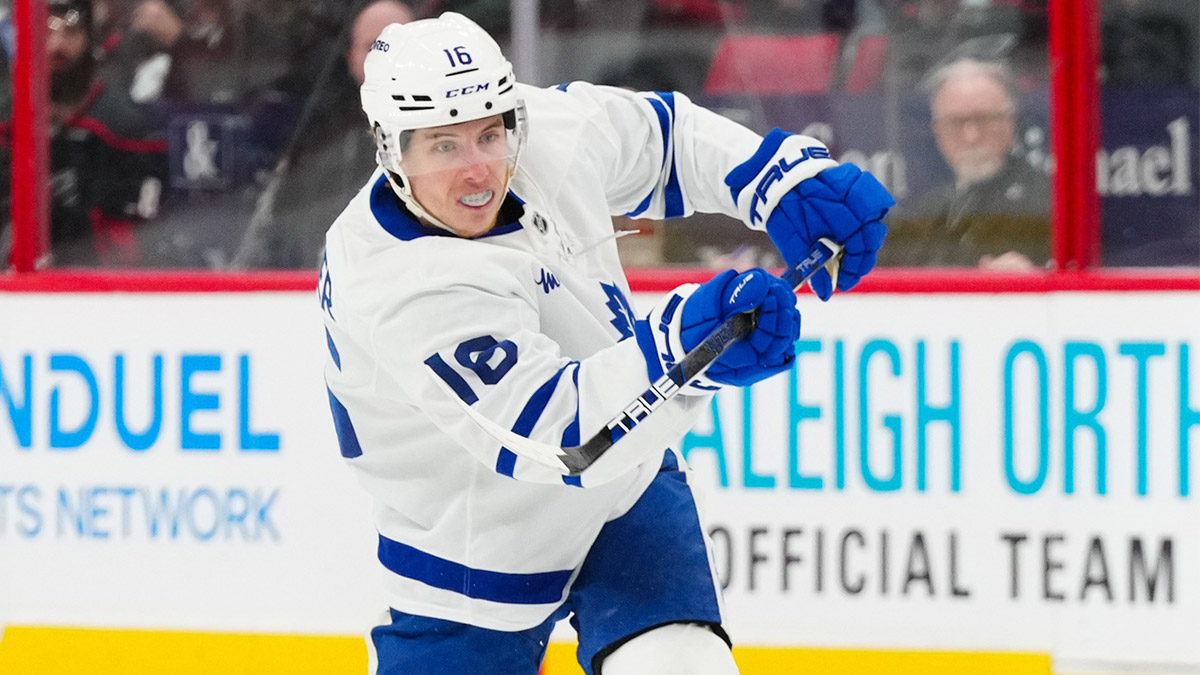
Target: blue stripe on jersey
column 665, row 124
column 347, row 438
column 451, row 377
column 641, row 208
column 398, row 222
column 743, row 173
column 673, row 194
column 539, row 588
column 669, row 97
column 333, row 351
column 570, row 437
column 506, row 462
column 527, row 420
column 645, row 341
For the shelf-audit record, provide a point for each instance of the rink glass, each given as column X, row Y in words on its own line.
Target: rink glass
column 265, row 142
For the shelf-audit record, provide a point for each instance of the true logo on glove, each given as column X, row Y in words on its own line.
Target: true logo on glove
column 740, row 286
column 775, row 173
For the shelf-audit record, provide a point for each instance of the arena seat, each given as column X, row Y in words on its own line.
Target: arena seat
column 773, row 65
column 867, row 70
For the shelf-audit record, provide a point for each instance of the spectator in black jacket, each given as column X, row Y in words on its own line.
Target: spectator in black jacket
column 106, row 172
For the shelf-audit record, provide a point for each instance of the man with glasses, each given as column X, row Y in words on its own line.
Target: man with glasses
column 995, row 213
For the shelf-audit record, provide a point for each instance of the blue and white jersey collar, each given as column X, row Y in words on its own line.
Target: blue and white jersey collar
column 394, row 217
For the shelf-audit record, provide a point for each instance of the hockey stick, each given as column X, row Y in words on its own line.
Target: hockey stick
column 825, row 254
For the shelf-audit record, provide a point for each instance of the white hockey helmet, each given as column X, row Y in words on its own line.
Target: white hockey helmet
column 432, row 73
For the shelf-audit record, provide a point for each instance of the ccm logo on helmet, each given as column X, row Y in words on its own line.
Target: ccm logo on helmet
column 467, row 90
column 379, row 46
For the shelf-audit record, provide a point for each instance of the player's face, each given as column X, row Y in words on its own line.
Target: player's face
column 459, row 173
column 974, row 123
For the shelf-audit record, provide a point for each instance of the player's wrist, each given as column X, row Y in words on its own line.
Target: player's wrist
column 782, row 161
column 664, row 323
column 660, row 335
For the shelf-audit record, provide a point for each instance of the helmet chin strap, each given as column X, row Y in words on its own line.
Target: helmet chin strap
column 411, row 202
column 419, row 211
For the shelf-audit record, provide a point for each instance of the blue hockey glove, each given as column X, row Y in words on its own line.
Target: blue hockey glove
column 769, row 350
column 798, row 193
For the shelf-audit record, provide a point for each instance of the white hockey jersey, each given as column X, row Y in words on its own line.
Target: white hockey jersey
column 528, row 327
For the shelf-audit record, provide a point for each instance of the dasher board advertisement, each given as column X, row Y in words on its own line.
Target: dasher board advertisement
column 945, row 472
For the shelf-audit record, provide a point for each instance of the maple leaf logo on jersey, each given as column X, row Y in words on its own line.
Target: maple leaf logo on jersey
column 622, row 313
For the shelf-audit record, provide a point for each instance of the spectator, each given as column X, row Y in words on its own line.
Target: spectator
column 995, row 213
column 369, row 23
column 137, row 46
column 926, row 34
column 1145, row 44
column 205, row 60
column 198, row 51
column 334, row 155
column 106, row 173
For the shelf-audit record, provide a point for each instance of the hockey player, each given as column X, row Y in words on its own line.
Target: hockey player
column 474, row 302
